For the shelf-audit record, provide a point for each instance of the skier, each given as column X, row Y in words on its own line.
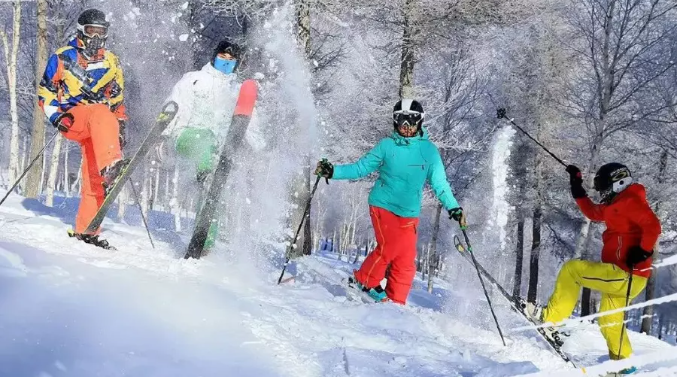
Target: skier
column 628, row 243
column 405, row 161
column 206, row 101
column 81, row 92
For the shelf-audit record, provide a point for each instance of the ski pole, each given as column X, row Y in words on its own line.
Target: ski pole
column 143, row 217
column 39, row 155
column 501, row 114
column 484, row 288
column 298, row 230
column 627, row 303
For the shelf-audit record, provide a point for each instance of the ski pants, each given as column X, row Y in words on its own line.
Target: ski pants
column 199, row 146
column 395, row 248
column 608, row 279
column 97, row 131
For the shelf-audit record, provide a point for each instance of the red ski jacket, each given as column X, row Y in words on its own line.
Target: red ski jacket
column 629, row 222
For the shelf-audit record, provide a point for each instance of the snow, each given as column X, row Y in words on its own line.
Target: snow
column 183, row 37
column 500, row 164
column 70, row 309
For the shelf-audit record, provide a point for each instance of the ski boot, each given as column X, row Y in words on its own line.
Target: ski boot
column 534, row 314
column 91, row 239
column 111, row 173
column 377, row 293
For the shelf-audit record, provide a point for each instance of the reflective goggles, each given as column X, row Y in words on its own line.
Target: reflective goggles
column 407, row 118
column 95, row 30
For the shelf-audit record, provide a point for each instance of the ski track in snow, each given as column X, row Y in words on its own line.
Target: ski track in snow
column 70, row 309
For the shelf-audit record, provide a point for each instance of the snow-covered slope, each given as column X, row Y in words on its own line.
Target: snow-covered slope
column 70, row 309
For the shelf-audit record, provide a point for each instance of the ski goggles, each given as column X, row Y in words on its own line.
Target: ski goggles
column 402, row 118
column 95, row 30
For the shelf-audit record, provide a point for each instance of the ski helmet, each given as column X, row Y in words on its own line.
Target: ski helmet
column 92, row 31
column 228, row 47
column 408, row 112
column 611, row 179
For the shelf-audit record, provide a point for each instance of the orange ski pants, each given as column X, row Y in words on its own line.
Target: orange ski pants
column 395, row 247
column 97, row 131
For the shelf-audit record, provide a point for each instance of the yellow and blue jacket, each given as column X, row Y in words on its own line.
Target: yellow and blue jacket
column 71, row 80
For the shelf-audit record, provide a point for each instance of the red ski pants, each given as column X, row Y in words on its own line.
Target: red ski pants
column 395, row 247
column 96, row 129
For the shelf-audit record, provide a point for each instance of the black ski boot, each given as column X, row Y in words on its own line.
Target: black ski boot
column 91, row 239
column 111, row 173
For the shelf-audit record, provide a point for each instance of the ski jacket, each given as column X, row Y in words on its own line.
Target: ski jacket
column 70, row 79
column 629, row 222
column 206, row 100
column 404, row 166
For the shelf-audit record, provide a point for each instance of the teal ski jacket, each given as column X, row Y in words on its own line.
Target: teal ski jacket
column 404, row 166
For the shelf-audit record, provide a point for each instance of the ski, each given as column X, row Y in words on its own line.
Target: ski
column 238, row 126
column 514, row 303
column 168, row 112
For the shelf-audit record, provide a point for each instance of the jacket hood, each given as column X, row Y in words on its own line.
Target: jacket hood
column 401, row 140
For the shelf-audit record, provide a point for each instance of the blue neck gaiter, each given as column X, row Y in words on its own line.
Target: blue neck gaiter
column 224, row 65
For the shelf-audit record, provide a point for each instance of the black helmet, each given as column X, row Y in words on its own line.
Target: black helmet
column 408, row 111
column 611, row 179
column 92, row 31
column 227, row 46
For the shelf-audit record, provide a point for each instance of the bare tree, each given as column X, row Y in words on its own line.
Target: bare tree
column 34, row 177
column 11, row 53
column 620, row 51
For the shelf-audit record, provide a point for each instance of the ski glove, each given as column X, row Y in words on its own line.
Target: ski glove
column 457, row 214
column 123, row 134
column 324, row 169
column 576, row 181
column 637, row 255
column 63, row 122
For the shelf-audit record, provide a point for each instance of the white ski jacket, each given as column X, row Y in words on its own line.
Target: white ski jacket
column 206, row 100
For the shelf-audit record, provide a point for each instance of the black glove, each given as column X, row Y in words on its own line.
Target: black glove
column 64, row 122
column 324, row 169
column 637, row 255
column 457, row 214
column 123, row 134
column 576, row 181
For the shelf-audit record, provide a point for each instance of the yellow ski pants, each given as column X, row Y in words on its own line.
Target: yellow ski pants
column 608, row 279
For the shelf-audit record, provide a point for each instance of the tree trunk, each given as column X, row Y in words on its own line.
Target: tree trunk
column 584, row 235
column 535, row 255
column 408, row 56
column 166, row 197
column 145, row 190
column 66, row 177
column 433, row 246
column 176, row 207
column 586, row 307
column 11, row 53
column 426, row 252
column 53, row 171
column 156, row 187
column 122, row 201
column 35, row 175
column 519, row 259
column 650, row 294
